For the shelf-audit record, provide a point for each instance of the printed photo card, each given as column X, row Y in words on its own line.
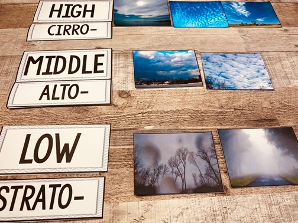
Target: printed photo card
column 166, row 69
column 235, row 71
column 250, row 14
column 197, row 14
column 175, row 163
column 260, row 157
column 141, row 13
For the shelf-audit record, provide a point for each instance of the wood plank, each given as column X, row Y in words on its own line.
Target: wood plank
column 286, row 13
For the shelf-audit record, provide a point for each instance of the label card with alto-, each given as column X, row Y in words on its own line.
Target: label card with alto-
column 54, row 148
column 59, row 93
column 50, row 199
column 64, row 11
column 65, row 65
column 69, row 31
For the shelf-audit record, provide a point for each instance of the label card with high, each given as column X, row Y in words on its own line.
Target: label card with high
column 65, row 65
column 59, row 93
column 50, row 199
column 54, row 148
column 74, row 11
column 69, row 31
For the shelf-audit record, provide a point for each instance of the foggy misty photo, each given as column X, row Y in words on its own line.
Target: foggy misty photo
column 260, row 157
column 175, row 163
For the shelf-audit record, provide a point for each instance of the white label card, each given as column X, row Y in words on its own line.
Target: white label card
column 75, row 11
column 54, row 148
column 69, row 31
column 65, row 65
column 59, row 93
column 47, row 199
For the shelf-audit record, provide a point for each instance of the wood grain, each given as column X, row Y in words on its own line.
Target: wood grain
column 169, row 111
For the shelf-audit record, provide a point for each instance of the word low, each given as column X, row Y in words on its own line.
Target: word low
column 51, row 199
column 43, row 149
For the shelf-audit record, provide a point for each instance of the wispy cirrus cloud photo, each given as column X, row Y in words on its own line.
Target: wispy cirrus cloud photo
column 141, row 13
column 197, row 14
column 250, row 14
column 166, row 69
column 233, row 71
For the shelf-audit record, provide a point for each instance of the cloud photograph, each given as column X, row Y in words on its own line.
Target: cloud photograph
column 197, row 14
column 233, row 71
column 260, row 157
column 175, row 163
column 141, row 13
column 250, row 14
column 166, row 69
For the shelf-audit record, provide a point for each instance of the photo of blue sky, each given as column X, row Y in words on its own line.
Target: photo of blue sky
column 198, row 14
column 235, row 71
column 252, row 13
column 166, row 69
column 141, row 13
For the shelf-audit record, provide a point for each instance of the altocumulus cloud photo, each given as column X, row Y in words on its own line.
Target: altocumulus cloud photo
column 260, row 157
column 166, row 69
column 235, row 71
column 250, row 14
column 141, row 13
column 175, row 163
column 197, row 14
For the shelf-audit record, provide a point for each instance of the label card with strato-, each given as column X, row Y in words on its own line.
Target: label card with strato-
column 69, row 31
column 65, row 65
column 74, row 11
column 51, row 199
column 59, row 93
column 54, row 148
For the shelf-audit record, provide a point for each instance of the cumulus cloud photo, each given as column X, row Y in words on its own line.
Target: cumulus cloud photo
column 176, row 163
column 260, row 157
column 197, row 14
column 141, row 13
column 235, row 71
column 250, row 14
column 166, row 69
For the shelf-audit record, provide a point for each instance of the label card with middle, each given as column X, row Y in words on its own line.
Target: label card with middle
column 50, row 199
column 54, row 148
column 64, row 11
column 59, row 93
column 69, row 31
column 65, row 65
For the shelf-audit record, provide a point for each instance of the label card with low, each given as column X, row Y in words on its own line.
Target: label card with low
column 59, row 93
column 54, row 148
column 74, row 11
column 50, row 199
column 69, row 31
column 65, row 65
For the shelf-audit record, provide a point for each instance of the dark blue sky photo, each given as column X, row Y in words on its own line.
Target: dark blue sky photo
column 260, row 157
column 166, row 69
column 252, row 13
column 198, row 14
column 233, row 71
column 141, row 13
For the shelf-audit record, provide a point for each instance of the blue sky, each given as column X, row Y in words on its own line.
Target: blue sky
column 260, row 12
column 165, row 65
column 236, row 71
column 128, row 11
column 198, row 14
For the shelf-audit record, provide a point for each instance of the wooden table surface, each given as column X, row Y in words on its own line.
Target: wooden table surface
column 169, row 110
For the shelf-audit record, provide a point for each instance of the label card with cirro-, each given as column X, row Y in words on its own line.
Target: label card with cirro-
column 65, row 65
column 59, row 93
column 54, row 148
column 50, row 199
column 74, row 11
column 69, row 31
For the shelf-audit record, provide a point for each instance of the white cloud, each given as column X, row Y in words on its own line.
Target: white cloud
column 240, row 8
